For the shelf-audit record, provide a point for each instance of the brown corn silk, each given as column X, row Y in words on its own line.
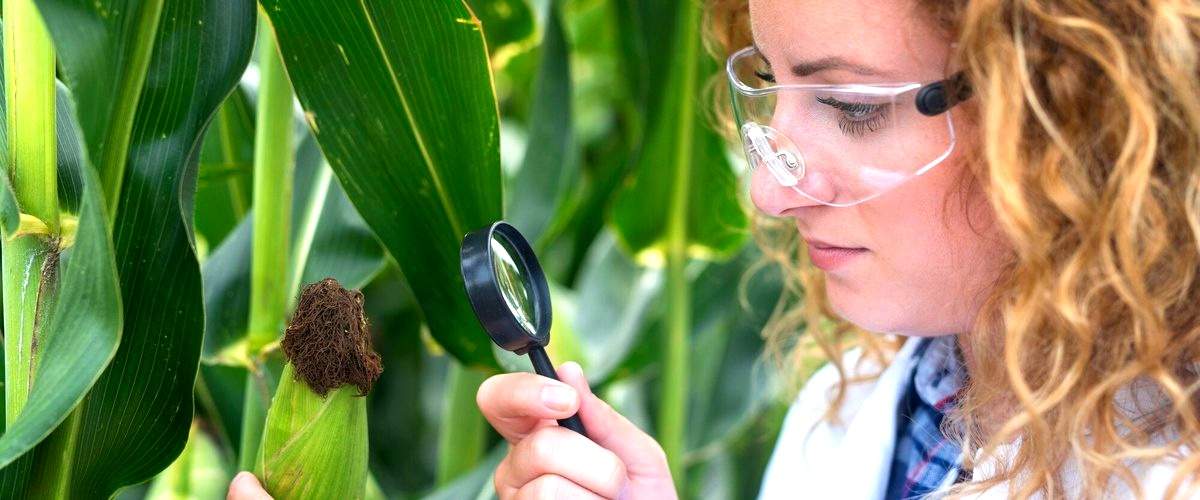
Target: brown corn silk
column 328, row 340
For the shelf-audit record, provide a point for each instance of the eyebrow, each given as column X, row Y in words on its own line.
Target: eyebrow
column 814, row 66
column 806, row 68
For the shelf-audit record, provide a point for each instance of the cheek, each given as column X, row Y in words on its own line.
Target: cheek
column 915, row 230
column 929, row 267
column 908, row 284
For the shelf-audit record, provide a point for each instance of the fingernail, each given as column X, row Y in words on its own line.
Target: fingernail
column 244, row 481
column 571, row 366
column 557, row 397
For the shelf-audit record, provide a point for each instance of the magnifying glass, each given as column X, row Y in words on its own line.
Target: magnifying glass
column 508, row 292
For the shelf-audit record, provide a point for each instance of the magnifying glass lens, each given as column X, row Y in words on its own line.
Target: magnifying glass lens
column 514, row 285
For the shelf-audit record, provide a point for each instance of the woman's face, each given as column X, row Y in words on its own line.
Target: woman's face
column 920, row 266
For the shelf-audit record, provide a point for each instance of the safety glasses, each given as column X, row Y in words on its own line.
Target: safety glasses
column 841, row 145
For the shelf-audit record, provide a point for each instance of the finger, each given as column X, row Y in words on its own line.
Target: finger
column 246, row 487
column 562, row 452
column 636, row 449
column 550, row 486
column 518, row 403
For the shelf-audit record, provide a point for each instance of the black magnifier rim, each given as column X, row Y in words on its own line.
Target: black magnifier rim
column 483, row 291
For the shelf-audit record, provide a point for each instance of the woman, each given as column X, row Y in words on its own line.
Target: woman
column 1020, row 215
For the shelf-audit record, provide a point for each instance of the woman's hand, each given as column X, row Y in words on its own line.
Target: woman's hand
column 548, row 461
column 246, row 487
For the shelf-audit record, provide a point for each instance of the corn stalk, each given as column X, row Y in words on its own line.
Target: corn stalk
column 681, row 172
column 269, row 277
column 29, row 95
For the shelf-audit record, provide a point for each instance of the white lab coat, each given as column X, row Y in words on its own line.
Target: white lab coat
column 853, row 460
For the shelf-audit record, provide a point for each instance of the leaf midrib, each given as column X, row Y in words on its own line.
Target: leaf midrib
column 455, row 223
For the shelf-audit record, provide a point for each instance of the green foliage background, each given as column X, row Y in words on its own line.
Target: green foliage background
column 582, row 122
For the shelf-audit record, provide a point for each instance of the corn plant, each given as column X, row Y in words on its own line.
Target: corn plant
column 178, row 171
column 103, row 309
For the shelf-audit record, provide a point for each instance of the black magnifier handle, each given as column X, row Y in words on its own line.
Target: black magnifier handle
column 541, row 365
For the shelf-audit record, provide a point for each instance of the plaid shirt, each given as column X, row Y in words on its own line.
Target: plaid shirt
column 924, row 457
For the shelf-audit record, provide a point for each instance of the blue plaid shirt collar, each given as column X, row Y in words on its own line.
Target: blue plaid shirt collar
column 940, row 373
column 924, row 457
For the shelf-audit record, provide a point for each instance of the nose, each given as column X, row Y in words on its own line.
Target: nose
column 772, row 198
column 776, row 187
column 811, row 184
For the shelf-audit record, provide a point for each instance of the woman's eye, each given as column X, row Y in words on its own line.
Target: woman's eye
column 857, row 118
column 762, row 69
column 854, row 110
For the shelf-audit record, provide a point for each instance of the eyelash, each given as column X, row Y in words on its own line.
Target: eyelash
column 857, row 118
column 851, row 127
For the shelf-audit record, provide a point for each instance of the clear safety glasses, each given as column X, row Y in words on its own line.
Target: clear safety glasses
column 840, row 145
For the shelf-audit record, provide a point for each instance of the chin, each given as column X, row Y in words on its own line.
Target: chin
column 882, row 324
column 875, row 316
column 861, row 315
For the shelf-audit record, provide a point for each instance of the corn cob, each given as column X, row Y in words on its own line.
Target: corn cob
column 314, row 442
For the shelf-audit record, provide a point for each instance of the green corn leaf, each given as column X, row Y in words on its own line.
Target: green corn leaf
column 373, row 490
column 399, row 96
column 461, row 438
column 200, row 472
column 223, row 189
column 682, row 178
column 10, row 213
column 608, row 104
column 220, row 391
column 550, row 169
column 617, row 300
column 735, row 398
column 509, row 27
column 329, row 238
column 476, row 484
column 135, row 419
column 731, row 383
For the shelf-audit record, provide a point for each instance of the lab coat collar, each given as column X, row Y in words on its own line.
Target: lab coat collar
column 851, row 460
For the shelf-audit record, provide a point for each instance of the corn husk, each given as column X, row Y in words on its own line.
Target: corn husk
column 312, row 446
column 314, row 441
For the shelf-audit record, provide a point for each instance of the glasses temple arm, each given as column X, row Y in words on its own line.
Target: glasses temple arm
column 938, row 97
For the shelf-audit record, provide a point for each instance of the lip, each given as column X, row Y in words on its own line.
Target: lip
column 828, row 257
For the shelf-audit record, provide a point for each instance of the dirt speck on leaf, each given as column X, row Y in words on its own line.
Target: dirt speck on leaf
column 328, row 341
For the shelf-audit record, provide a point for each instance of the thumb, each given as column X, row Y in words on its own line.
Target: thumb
column 246, row 487
column 641, row 454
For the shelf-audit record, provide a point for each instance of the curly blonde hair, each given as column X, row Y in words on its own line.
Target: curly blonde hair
column 1088, row 122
